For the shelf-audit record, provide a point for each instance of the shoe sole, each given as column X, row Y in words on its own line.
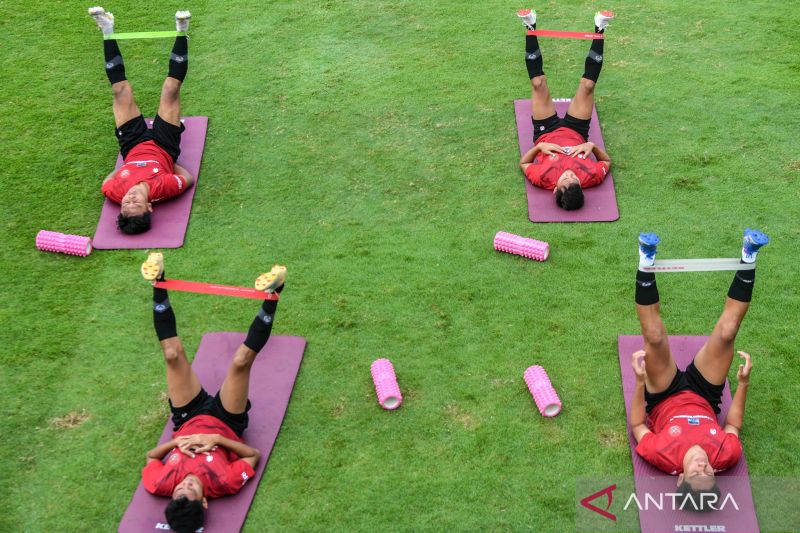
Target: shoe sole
column 152, row 267
column 269, row 281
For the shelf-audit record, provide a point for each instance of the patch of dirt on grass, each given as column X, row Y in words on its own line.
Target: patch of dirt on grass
column 70, row 420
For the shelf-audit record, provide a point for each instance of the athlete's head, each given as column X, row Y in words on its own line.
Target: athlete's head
column 568, row 192
column 134, row 211
column 698, row 481
column 186, row 511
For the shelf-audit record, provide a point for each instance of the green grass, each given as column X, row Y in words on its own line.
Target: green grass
column 371, row 147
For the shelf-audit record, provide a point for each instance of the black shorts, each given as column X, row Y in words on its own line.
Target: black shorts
column 540, row 127
column 135, row 131
column 689, row 379
column 205, row 404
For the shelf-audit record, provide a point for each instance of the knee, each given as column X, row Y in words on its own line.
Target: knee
column 654, row 335
column 172, row 354
column 243, row 360
column 539, row 82
column 728, row 330
column 122, row 90
column 586, row 86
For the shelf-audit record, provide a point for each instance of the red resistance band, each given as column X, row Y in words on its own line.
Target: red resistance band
column 213, row 288
column 566, row 34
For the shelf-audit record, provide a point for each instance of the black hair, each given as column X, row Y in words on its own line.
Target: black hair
column 185, row 515
column 698, row 500
column 134, row 225
column 570, row 198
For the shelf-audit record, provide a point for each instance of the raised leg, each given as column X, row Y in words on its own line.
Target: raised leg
column 182, row 383
column 542, row 106
column 169, row 106
column 659, row 364
column 124, row 106
column 583, row 103
column 715, row 357
column 236, row 387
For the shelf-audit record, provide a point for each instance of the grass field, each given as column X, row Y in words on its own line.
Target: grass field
column 371, row 147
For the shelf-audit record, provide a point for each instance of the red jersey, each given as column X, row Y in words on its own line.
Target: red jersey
column 221, row 471
column 545, row 170
column 680, row 422
column 149, row 163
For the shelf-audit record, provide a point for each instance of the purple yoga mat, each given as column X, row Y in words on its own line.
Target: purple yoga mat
column 169, row 219
column 651, row 480
column 600, row 203
column 272, row 380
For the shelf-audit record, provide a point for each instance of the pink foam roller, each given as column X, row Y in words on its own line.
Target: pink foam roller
column 542, row 390
column 52, row 241
column 514, row 244
column 386, row 387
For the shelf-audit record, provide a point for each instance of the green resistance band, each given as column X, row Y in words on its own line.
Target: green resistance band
column 144, row 35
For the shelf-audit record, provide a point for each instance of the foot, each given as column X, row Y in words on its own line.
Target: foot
column 602, row 19
column 753, row 241
column 273, row 280
column 104, row 20
column 528, row 17
column 153, row 267
column 182, row 19
column 648, row 247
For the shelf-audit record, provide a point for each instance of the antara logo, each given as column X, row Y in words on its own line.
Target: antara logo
column 671, row 501
column 609, row 493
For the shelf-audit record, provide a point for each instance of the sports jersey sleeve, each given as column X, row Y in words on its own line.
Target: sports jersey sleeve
column 239, row 473
column 152, row 474
column 648, row 449
column 167, row 186
column 534, row 173
column 729, row 453
column 597, row 176
column 110, row 190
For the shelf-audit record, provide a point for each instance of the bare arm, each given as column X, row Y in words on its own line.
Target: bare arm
column 638, row 417
column 158, row 453
column 185, row 173
column 600, row 154
column 735, row 419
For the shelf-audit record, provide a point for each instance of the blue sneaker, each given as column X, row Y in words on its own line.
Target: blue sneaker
column 751, row 243
column 648, row 247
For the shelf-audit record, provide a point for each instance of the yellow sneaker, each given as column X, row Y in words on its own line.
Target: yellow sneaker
column 153, row 267
column 269, row 281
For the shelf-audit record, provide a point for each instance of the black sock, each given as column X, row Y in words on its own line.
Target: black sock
column 594, row 60
column 533, row 57
column 163, row 315
column 259, row 331
column 115, row 68
column 742, row 285
column 179, row 58
column 646, row 288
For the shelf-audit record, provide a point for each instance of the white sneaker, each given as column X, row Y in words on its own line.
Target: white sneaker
column 602, row 18
column 528, row 17
column 182, row 19
column 104, row 20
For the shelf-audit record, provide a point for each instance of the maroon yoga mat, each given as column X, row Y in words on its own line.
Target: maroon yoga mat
column 272, row 380
column 600, row 203
column 169, row 219
column 651, row 480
